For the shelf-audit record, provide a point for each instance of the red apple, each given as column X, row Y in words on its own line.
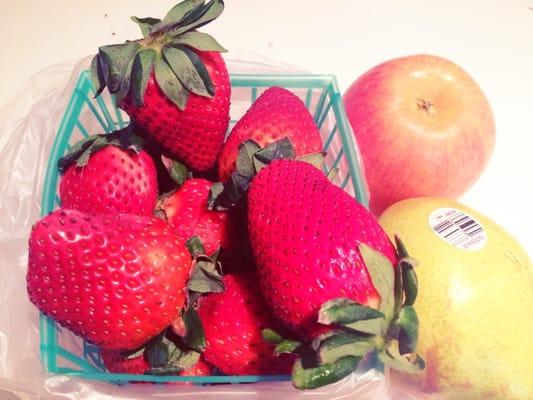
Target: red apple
column 423, row 126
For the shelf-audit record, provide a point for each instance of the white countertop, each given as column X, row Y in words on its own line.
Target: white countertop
column 492, row 40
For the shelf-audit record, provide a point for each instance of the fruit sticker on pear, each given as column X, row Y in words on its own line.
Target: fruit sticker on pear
column 458, row 228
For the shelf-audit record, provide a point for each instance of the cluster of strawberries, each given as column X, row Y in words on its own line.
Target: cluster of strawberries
column 178, row 251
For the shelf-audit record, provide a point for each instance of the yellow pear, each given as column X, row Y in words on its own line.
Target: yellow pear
column 475, row 301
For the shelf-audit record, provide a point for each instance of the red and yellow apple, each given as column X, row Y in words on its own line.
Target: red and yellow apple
column 423, row 127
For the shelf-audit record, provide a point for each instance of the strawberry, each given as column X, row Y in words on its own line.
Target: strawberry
column 186, row 211
column 173, row 83
column 116, row 281
column 117, row 363
column 201, row 368
column 305, row 234
column 233, row 321
column 276, row 114
column 108, row 174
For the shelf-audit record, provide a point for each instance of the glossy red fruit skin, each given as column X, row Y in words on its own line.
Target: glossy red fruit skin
column 195, row 135
column 187, row 213
column 276, row 114
column 117, row 281
column 233, row 321
column 305, row 233
column 113, row 181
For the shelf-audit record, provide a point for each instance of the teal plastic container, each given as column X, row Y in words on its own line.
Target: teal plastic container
column 64, row 353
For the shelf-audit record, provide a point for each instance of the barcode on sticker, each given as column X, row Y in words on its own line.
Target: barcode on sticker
column 458, row 228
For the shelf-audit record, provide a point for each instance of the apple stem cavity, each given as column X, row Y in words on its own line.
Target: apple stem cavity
column 426, row 105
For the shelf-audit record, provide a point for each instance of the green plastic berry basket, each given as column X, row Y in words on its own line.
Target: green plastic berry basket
column 63, row 352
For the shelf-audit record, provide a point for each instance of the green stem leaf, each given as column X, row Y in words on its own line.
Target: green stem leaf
column 271, row 336
column 376, row 326
column 408, row 332
column 342, row 344
column 195, row 246
column 118, row 58
column 409, row 279
column 97, row 77
column 398, row 289
column 315, row 159
column 381, row 273
column 178, row 172
column 199, row 41
column 332, row 174
column 205, row 277
column 169, row 83
column 287, row 346
column 345, row 311
column 191, row 74
column 310, row 378
column 400, row 247
column 402, row 363
column 158, row 351
column 146, row 24
column 195, row 337
column 280, row 149
column 195, row 20
column 180, row 10
column 140, row 74
column 201, row 69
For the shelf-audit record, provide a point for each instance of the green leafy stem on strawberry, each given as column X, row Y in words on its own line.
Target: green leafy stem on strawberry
column 126, row 138
column 165, row 354
column 250, row 160
column 166, row 48
column 362, row 338
column 206, row 277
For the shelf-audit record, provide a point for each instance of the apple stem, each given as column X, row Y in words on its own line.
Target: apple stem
column 425, row 105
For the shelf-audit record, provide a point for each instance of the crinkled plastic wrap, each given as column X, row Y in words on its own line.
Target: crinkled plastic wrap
column 27, row 128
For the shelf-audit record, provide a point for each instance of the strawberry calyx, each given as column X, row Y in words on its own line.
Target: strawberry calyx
column 79, row 154
column 361, row 337
column 206, row 277
column 178, row 172
column 168, row 50
column 165, row 354
column 250, row 160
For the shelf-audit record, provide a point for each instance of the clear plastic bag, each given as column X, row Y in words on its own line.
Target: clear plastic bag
column 27, row 128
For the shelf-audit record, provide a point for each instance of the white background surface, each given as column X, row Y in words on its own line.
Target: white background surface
column 492, row 40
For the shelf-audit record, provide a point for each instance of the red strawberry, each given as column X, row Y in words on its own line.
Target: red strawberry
column 305, row 234
column 276, row 114
column 196, row 134
column 116, row 363
column 173, row 83
column 201, row 368
column 108, row 180
column 117, row 281
column 186, row 211
column 233, row 322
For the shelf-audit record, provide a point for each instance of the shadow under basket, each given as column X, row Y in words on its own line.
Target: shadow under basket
column 64, row 353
